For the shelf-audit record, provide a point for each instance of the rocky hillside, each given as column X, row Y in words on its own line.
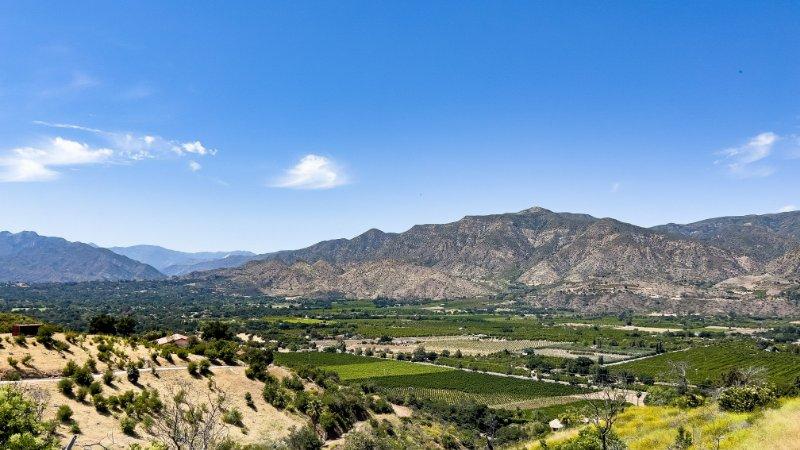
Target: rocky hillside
column 28, row 257
column 763, row 238
column 485, row 254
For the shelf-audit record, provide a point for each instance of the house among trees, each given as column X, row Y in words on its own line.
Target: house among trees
column 175, row 339
column 556, row 425
column 25, row 329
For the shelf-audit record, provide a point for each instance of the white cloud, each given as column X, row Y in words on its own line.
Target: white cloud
column 313, row 172
column 26, row 164
column 34, row 163
column 615, row 187
column 788, row 208
column 746, row 161
column 194, row 147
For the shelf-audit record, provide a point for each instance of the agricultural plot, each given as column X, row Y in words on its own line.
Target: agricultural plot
column 430, row 381
column 711, row 361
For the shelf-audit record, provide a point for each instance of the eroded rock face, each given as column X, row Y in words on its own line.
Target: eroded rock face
column 481, row 255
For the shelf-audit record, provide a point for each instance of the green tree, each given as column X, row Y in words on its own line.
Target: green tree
column 21, row 420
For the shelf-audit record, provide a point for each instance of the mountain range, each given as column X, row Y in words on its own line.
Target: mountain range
column 173, row 262
column 28, row 257
column 536, row 250
column 536, row 253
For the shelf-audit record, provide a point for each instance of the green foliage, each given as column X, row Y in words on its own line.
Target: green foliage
column 712, row 361
column 133, row 374
column 745, row 398
column 22, row 428
column 216, row 329
column 64, row 413
column 233, row 417
column 128, row 425
column 65, row 386
column 192, row 368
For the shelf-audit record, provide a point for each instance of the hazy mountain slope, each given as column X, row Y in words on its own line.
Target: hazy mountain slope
column 170, row 261
column 28, row 257
column 233, row 260
column 534, row 246
column 762, row 237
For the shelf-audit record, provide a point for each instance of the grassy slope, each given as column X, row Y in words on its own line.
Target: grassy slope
column 653, row 427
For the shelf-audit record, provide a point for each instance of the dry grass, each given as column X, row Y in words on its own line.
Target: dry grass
column 49, row 363
column 263, row 422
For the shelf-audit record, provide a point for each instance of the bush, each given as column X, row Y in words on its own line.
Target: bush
column 64, row 413
column 233, row 417
column 204, row 366
column 128, row 425
column 133, row 374
column 304, row 438
column 83, row 376
column 745, row 398
column 65, row 386
column 294, row 383
column 69, row 369
column 192, row 368
column 20, row 427
column 83, row 391
column 108, row 377
column 95, row 388
column 100, row 403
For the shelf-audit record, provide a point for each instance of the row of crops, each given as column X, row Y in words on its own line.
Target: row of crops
column 428, row 380
column 712, row 361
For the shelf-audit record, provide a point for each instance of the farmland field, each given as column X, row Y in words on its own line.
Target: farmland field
column 429, row 380
column 711, row 361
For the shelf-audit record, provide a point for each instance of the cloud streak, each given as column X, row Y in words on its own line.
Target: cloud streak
column 41, row 162
column 313, row 172
column 747, row 160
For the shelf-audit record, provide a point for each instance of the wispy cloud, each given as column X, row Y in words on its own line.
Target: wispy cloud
column 788, row 208
column 747, row 160
column 313, row 172
column 27, row 164
column 40, row 162
column 195, row 166
column 615, row 187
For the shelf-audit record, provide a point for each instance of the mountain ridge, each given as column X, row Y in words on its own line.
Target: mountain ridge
column 28, row 257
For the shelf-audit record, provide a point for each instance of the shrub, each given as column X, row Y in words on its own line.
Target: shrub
column 69, row 369
column 95, row 388
column 64, row 413
column 108, row 377
column 294, row 383
column 133, row 374
column 75, row 428
column 745, row 398
column 192, row 368
column 248, row 397
column 128, row 425
column 83, row 391
column 304, row 438
column 83, row 376
column 65, row 386
column 233, row 417
column 204, row 366
column 100, row 403
column 12, row 361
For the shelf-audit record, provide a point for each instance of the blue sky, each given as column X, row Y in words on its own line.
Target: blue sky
column 272, row 125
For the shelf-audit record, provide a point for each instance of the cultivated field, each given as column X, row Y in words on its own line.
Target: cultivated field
column 711, row 361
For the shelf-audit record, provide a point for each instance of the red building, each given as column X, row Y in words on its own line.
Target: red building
column 27, row 329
